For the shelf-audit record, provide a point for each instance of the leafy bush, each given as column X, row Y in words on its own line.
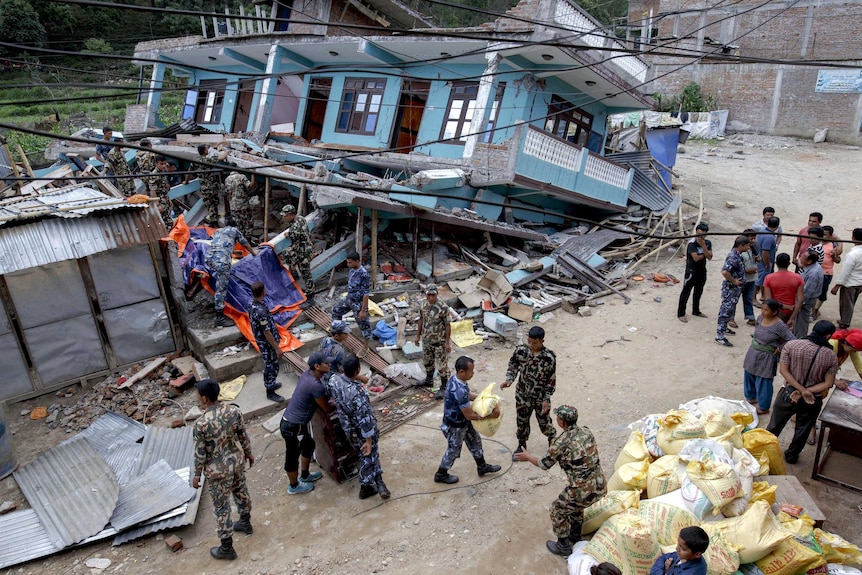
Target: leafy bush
column 691, row 99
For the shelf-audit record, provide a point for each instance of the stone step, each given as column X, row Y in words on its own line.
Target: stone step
column 223, row 368
column 205, row 341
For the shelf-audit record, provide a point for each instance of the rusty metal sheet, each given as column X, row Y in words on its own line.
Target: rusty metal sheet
column 71, row 489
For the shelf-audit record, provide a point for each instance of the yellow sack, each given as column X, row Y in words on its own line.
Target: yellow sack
column 230, row 390
column 836, row 549
column 374, row 309
column 754, row 534
column 762, row 491
column 611, row 504
column 629, row 476
column 759, row 441
column 763, row 460
column 627, row 541
column 665, row 520
column 790, row 558
column 743, row 418
column 633, row 451
column 663, row 476
column 484, row 404
column 802, row 526
column 718, row 481
column 678, row 425
column 721, row 555
column 716, row 423
column 732, row 436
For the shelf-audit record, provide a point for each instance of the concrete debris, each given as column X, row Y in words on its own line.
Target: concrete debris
column 585, row 311
column 98, row 563
column 8, row 506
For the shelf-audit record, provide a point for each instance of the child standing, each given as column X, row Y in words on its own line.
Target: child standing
column 688, row 557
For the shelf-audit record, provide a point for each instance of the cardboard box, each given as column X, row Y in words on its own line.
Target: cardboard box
column 496, row 284
column 521, row 312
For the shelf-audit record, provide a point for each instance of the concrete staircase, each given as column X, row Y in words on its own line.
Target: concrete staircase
column 207, row 345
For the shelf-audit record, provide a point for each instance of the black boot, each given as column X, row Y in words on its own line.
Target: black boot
column 560, row 547
column 521, row 447
column 366, row 491
column 575, row 533
column 429, row 381
column 225, row 551
column 381, row 487
column 484, row 468
column 223, row 321
column 244, row 524
column 441, row 393
column 442, row 476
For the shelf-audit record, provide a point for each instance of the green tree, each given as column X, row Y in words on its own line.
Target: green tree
column 97, row 46
column 19, row 24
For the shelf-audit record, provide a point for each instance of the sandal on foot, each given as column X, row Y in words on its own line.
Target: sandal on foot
column 733, row 324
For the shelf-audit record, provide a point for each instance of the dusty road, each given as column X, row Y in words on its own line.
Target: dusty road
column 499, row 524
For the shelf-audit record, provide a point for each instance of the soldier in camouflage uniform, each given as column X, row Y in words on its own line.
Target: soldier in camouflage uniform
column 145, row 161
column 267, row 337
column 537, row 367
column 116, row 161
column 218, row 259
column 358, row 288
column 576, row 452
column 221, row 449
column 297, row 256
column 210, row 178
column 159, row 188
column 434, row 330
column 357, row 420
column 237, row 188
column 456, row 427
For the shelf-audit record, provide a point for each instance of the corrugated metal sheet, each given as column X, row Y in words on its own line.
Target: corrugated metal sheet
column 68, row 202
column 111, row 430
column 23, row 538
column 53, row 240
column 176, row 447
column 585, row 246
column 71, row 489
column 185, row 127
column 155, row 492
column 645, row 190
column 121, row 459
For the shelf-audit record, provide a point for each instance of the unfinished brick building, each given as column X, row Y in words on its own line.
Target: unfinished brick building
column 767, row 97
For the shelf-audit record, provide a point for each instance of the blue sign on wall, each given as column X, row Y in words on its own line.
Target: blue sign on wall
column 839, row 81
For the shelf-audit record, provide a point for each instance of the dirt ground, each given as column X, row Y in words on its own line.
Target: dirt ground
column 623, row 362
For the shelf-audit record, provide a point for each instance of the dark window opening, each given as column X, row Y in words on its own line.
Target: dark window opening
column 210, row 98
column 360, row 105
column 462, row 106
column 568, row 122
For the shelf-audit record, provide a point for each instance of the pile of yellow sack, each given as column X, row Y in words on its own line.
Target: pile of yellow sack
column 701, row 465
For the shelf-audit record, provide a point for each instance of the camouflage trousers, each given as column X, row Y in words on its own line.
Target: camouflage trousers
column 211, row 196
column 165, row 210
column 244, row 222
column 455, row 438
column 270, row 365
column 567, row 511
column 302, row 262
column 126, row 185
column 221, row 492
column 346, row 305
column 524, row 408
column 222, row 276
column 434, row 357
column 729, row 298
column 369, row 465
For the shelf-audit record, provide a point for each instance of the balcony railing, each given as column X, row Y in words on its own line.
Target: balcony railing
column 237, row 24
column 545, row 158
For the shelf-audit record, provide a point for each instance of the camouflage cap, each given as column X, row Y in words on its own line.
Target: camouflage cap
column 432, row 289
column 568, row 414
column 288, row 209
column 338, row 326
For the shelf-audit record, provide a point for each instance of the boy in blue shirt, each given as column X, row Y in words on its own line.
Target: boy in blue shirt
column 688, row 557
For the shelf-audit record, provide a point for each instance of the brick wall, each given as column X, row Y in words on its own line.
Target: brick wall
column 757, row 101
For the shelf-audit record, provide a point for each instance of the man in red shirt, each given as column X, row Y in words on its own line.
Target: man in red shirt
column 786, row 287
column 802, row 242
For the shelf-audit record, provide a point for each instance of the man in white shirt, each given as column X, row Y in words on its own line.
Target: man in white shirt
column 849, row 281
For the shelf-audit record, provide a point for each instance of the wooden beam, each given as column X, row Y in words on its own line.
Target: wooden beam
column 360, row 230
column 374, row 267
column 266, row 210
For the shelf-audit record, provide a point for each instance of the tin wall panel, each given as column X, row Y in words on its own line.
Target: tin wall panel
column 48, row 294
column 66, row 349
column 136, row 283
column 149, row 495
column 139, row 331
column 23, row 538
column 16, row 378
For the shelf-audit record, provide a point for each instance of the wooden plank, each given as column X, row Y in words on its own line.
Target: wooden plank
column 791, row 491
column 62, row 173
column 144, row 372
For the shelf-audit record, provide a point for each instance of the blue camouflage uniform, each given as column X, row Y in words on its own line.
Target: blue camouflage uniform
column 334, row 350
column 358, row 286
column 730, row 293
column 455, row 427
column 219, row 257
column 261, row 322
column 357, row 420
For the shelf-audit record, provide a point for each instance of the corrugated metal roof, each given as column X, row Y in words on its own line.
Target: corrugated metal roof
column 187, row 126
column 645, row 190
column 111, row 430
column 52, row 240
column 176, row 447
column 121, row 458
column 68, row 202
column 162, row 522
column 71, row 489
column 23, row 538
column 155, row 492
column 585, row 246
